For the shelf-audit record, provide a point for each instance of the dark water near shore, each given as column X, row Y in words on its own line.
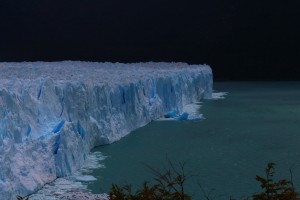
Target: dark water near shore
column 256, row 123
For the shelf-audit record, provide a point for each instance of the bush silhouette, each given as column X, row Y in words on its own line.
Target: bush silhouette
column 169, row 185
column 275, row 190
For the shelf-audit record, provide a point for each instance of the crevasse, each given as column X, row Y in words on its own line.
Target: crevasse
column 53, row 114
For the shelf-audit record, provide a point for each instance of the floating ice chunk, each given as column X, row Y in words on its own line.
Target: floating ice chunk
column 173, row 114
column 184, row 116
column 189, row 112
column 198, row 116
column 218, row 95
column 194, row 111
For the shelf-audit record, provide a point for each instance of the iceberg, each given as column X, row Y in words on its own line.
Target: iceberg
column 53, row 113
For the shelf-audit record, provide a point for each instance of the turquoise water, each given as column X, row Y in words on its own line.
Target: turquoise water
column 256, row 123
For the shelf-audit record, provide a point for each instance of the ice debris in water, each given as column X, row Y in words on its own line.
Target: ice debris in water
column 218, row 95
column 190, row 112
column 73, row 187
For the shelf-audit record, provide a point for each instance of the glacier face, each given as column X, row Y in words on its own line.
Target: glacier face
column 52, row 114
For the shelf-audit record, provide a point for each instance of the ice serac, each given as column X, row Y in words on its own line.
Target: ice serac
column 53, row 114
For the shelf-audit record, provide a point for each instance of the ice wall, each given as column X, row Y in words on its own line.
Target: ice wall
column 53, row 114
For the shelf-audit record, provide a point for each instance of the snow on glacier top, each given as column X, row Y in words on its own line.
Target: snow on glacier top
column 110, row 73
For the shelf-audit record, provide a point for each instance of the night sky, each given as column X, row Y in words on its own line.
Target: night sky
column 240, row 39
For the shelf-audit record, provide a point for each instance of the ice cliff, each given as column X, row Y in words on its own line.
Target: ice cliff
column 53, row 114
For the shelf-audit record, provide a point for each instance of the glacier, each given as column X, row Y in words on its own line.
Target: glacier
column 53, row 113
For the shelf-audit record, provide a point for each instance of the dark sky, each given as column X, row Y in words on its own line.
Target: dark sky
column 240, row 39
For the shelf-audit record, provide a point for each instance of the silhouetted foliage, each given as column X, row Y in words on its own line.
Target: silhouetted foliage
column 275, row 190
column 169, row 185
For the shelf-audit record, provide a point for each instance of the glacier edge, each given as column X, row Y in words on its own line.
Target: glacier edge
column 53, row 114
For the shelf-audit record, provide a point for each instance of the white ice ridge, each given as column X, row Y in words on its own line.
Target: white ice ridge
column 53, row 113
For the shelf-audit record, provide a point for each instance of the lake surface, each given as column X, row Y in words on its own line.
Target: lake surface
column 256, row 123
